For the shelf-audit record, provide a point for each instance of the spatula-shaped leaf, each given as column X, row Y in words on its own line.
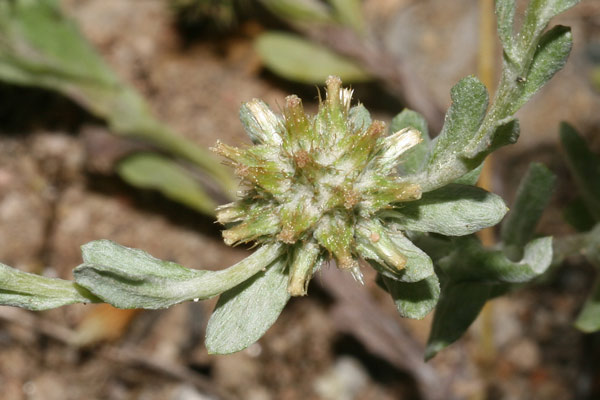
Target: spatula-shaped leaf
column 505, row 14
column 533, row 195
column 469, row 104
column 538, row 15
column 35, row 292
column 244, row 313
column 131, row 278
column 300, row 60
column 153, row 171
column 459, row 305
column 453, row 210
column 470, row 261
column 550, row 57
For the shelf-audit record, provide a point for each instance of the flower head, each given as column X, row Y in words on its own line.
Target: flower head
column 316, row 183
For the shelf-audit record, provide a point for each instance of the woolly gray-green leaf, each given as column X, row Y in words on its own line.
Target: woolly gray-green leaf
column 584, row 166
column 459, row 305
column 550, row 57
column 412, row 160
column 533, row 195
column 469, row 104
column 244, row 313
column 454, row 210
column 131, row 278
column 538, row 14
column 414, row 299
column 35, row 292
column 470, row 261
column 588, row 319
column 153, row 171
column 505, row 14
column 471, row 177
column 298, row 59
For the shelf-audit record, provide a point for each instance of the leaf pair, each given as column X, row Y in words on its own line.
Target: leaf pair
column 40, row 47
column 470, row 130
column 298, row 59
column 472, row 274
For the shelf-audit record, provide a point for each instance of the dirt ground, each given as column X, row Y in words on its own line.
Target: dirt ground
column 342, row 341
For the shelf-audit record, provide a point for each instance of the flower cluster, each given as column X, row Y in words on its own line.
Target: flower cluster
column 316, row 183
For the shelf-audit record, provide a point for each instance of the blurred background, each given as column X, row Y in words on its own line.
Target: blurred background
column 106, row 110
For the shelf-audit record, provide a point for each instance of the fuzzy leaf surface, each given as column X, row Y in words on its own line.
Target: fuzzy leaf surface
column 469, row 104
column 470, row 261
column 36, row 293
column 132, row 278
column 243, row 314
column 453, row 210
column 533, row 195
column 459, row 305
column 550, row 57
column 415, row 299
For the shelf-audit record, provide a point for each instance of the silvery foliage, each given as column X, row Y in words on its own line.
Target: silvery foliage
column 340, row 186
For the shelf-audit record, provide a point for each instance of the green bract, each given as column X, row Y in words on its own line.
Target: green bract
column 324, row 185
column 340, row 186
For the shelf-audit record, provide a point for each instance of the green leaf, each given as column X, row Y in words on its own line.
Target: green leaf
column 453, row 210
column 297, row 59
column 35, row 292
column 550, row 57
column 505, row 13
column 533, row 195
column 40, row 47
column 349, row 13
column 584, row 166
column 459, row 305
column 414, row 299
column 153, row 171
column 538, row 15
column 588, row 319
column 299, row 10
column 504, row 132
column 469, row 104
column 578, row 216
column 470, row 261
column 244, row 313
column 471, row 177
column 412, row 160
column 131, row 278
